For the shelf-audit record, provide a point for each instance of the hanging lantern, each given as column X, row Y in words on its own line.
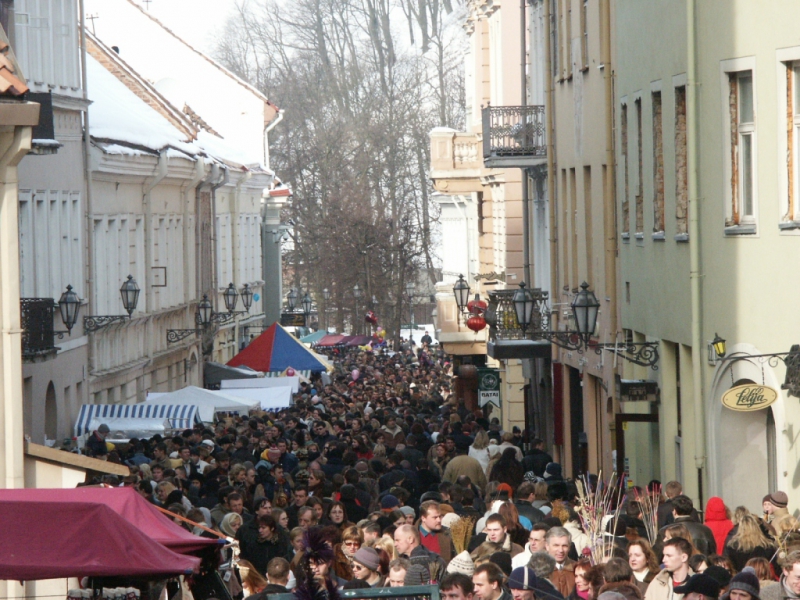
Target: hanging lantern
column 476, row 323
column 477, row 306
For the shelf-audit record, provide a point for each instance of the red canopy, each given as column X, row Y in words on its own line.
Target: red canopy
column 332, row 340
column 42, row 540
column 127, row 504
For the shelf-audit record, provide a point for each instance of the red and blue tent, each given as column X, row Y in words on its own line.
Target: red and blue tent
column 276, row 350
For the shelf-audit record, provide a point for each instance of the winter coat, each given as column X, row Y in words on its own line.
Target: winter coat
column 717, row 520
column 645, row 583
column 482, row 456
column 702, row 536
column 661, row 587
column 630, row 590
column 739, row 558
column 777, row 591
column 465, row 465
column 564, row 581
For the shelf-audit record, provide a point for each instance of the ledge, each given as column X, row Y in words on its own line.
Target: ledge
column 639, row 235
column 789, row 225
column 737, row 230
column 626, row 238
column 682, row 238
column 659, row 236
column 508, row 349
column 74, row 460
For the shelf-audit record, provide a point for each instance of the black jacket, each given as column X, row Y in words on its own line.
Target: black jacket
column 536, row 461
column 526, row 509
column 702, row 536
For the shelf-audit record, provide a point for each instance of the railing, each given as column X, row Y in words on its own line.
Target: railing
column 38, row 334
column 502, row 318
column 514, row 131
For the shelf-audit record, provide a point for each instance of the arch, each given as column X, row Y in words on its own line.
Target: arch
column 744, row 446
column 50, row 412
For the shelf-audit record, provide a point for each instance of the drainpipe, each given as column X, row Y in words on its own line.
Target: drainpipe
column 191, row 184
column 267, row 129
column 526, row 232
column 89, row 291
column 214, row 267
column 213, row 174
column 551, row 166
column 694, row 248
column 609, row 203
column 235, row 236
column 160, row 174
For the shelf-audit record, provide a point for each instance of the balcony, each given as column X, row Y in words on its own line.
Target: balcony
column 506, row 338
column 38, row 333
column 456, row 166
column 514, row 137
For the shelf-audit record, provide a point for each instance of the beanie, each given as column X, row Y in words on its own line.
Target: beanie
column 368, row 557
column 522, row 578
column 502, row 560
column 462, row 563
column 747, row 581
column 449, row 519
column 720, row 574
column 552, row 471
column 389, row 502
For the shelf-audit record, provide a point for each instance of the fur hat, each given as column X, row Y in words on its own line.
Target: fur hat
column 778, row 499
column 462, row 563
column 449, row 519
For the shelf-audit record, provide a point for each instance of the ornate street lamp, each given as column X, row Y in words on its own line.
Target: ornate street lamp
column 68, row 305
column 130, row 298
column 585, row 308
column 356, row 291
column 523, row 306
column 720, row 347
column 461, row 292
column 231, row 297
column 410, row 289
column 291, row 299
column 247, row 297
column 307, row 302
column 205, row 311
column 326, row 294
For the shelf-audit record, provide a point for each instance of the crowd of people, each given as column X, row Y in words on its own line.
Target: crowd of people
column 382, row 478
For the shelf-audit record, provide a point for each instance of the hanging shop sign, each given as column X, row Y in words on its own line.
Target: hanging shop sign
column 749, row 397
column 637, row 390
column 489, row 387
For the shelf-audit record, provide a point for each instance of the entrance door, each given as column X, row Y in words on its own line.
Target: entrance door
column 638, row 448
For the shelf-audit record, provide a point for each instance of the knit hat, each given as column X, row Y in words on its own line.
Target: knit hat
column 408, row 511
column 701, row 584
column 720, row 574
column 348, row 492
column 504, row 487
column 368, row 557
column 522, row 578
column 552, row 471
column 778, row 499
column 389, row 502
column 449, row 519
column 610, row 595
column 416, row 575
column 103, row 428
column 747, row 581
column 462, row 563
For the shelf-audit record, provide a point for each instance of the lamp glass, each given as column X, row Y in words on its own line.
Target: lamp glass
column 461, row 292
column 231, row 297
column 523, row 306
column 291, row 298
column 356, row 291
column 247, row 297
column 307, row 301
column 130, row 294
column 585, row 308
column 326, row 293
column 68, row 306
column 410, row 288
column 205, row 310
column 720, row 346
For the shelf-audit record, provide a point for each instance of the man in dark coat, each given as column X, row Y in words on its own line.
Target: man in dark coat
column 702, row 536
column 96, row 444
column 538, row 459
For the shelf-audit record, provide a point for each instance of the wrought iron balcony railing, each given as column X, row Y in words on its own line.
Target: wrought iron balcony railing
column 502, row 318
column 38, row 333
column 514, row 136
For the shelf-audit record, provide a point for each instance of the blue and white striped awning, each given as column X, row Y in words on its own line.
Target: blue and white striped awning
column 181, row 416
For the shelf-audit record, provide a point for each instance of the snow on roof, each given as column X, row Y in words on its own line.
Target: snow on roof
column 117, row 114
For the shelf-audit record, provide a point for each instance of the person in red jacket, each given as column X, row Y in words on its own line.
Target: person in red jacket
column 717, row 519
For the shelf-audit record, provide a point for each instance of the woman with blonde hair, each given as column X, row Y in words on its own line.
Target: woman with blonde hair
column 352, row 540
column 748, row 542
column 386, row 543
column 252, row 581
column 479, row 450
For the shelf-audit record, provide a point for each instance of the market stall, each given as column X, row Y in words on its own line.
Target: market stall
column 207, row 402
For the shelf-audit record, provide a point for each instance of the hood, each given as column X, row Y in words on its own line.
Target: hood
column 715, row 509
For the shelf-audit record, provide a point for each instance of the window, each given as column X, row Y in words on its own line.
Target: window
column 554, row 18
column 585, row 35
column 792, row 213
column 681, row 173
column 640, row 173
column 568, row 40
column 658, row 165
column 626, row 218
column 742, row 150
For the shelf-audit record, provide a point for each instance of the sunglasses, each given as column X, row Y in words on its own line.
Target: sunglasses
column 352, row 544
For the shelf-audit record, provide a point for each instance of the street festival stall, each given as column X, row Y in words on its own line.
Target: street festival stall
column 208, row 402
column 112, row 536
column 278, row 350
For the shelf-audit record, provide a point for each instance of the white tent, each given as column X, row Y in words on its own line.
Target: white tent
column 228, row 385
column 207, row 402
column 270, row 398
column 123, row 429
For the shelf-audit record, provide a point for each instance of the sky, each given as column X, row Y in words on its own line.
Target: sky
column 196, row 21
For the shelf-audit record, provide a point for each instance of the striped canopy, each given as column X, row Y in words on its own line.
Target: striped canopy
column 181, row 416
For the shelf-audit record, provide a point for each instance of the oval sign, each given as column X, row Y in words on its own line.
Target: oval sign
column 749, row 397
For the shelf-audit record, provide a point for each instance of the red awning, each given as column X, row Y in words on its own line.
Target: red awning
column 45, row 540
column 332, row 340
column 127, row 504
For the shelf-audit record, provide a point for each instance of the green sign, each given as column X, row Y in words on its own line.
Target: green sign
column 489, row 387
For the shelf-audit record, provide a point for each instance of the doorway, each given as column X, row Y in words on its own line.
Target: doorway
column 638, row 448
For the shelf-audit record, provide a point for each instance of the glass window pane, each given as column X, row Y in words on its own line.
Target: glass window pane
column 747, row 175
column 745, row 97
